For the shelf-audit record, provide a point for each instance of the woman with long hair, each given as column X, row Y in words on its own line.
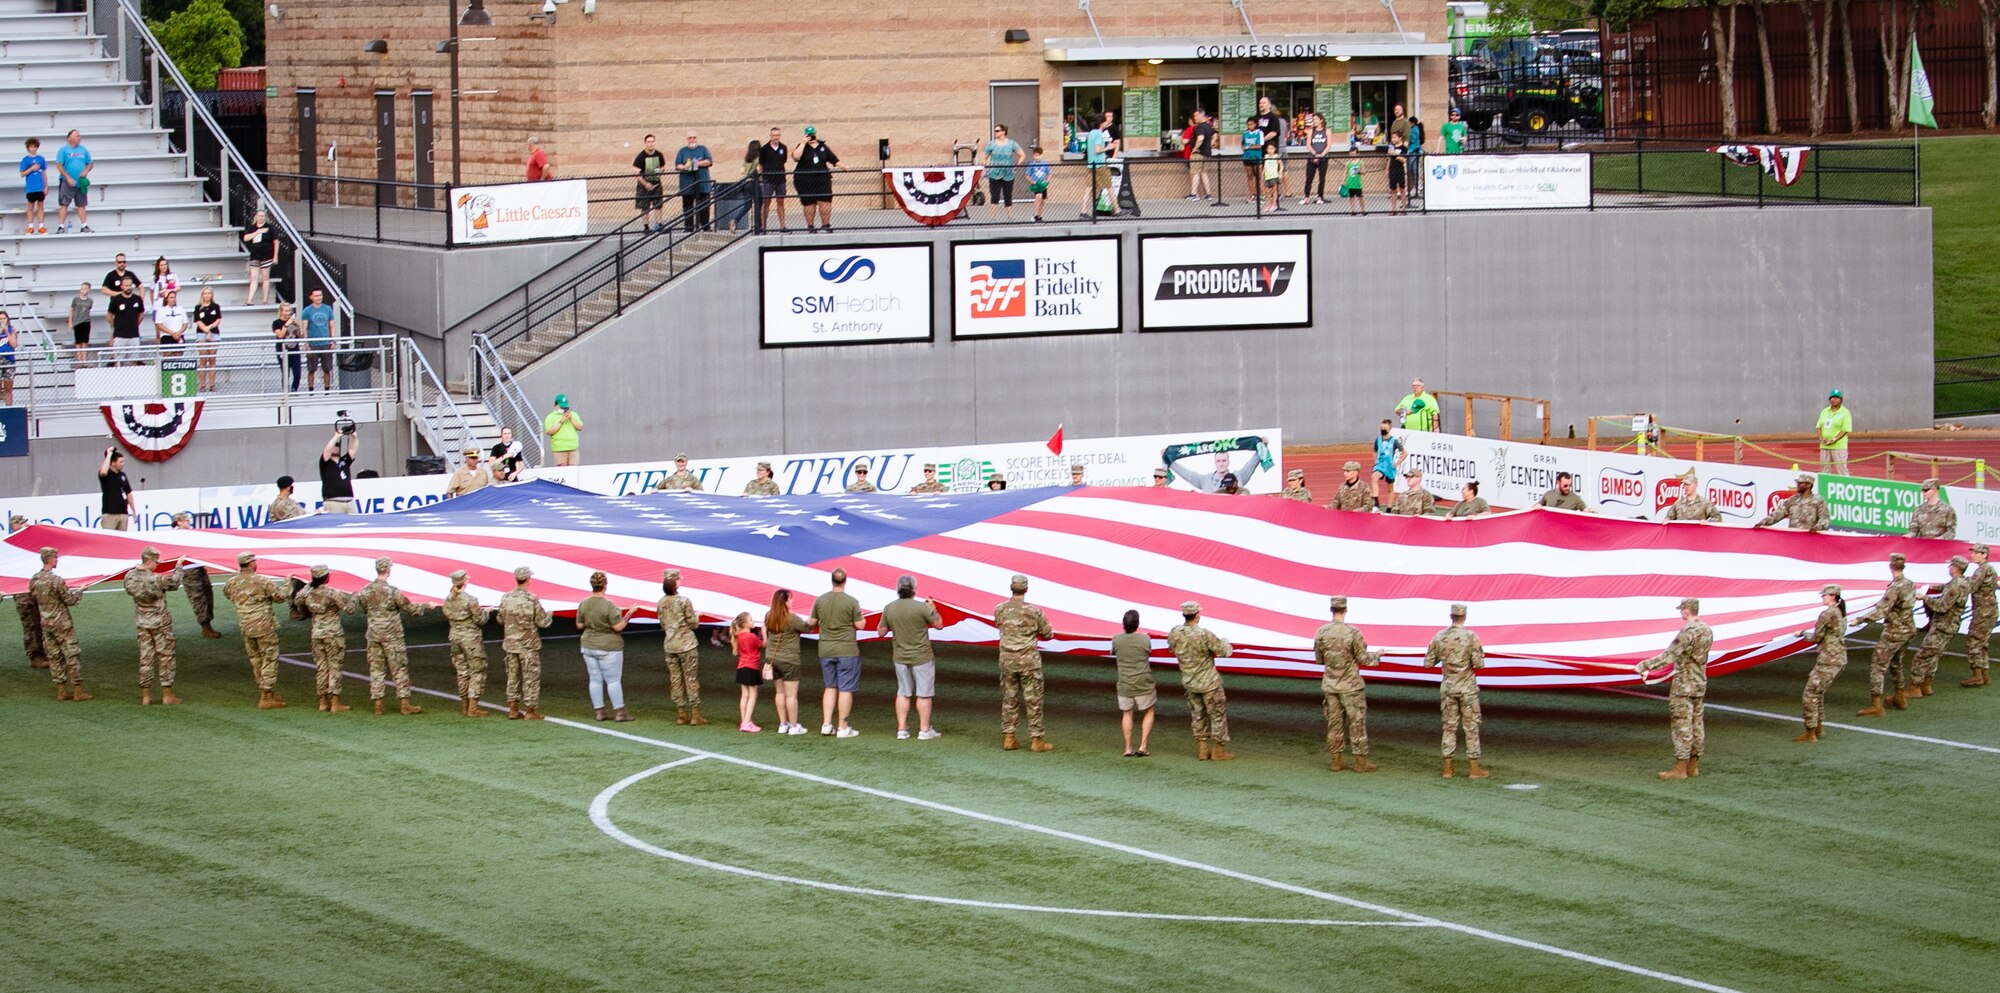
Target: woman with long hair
column 207, row 331
column 287, row 333
column 163, row 280
column 1829, row 632
column 781, row 632
column 749, row 647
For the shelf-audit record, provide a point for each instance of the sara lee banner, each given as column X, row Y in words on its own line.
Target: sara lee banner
column 844, row 295
column 1051, row 286
column 1254, row 455
column 483, row 215
column 1513, row 474
column 1225, row 281
column 1506, row 182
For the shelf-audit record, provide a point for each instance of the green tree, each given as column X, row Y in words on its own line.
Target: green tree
column 203, row 39
column 249, row 16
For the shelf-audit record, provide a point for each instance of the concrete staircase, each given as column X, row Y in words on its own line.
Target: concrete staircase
column 561, row 323
column 144, row 199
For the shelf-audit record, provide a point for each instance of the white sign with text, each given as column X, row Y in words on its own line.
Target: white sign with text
column 1506, row 182
column 483, row 215
column 852, row 294
column 1225, row 281
column 1056, row 286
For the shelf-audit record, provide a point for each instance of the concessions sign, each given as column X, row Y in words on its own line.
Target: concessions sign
column 490, row 215
column 1225, row 281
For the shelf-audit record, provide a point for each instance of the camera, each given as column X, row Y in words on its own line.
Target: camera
column 342, row 423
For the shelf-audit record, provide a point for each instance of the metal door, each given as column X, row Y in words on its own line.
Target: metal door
column 424, row 148
column 308, row 142
column 385, row 147
column 1018, row 105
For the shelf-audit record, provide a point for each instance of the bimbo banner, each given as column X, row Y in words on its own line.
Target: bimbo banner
column 1504, row 182
column 1225, row 281
column 1052, row 286
column 482, row 215
column 846, row 295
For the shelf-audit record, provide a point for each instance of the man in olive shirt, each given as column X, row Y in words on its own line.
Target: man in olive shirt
column 908, row 623
column 1136, row 689
column 1564, row 497
column 839, row 657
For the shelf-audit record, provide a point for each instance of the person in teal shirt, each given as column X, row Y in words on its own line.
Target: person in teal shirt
column 1453, row 133
column 1253, row 156
column 1836, row 423
column 1097, row 155
column 1002, row 155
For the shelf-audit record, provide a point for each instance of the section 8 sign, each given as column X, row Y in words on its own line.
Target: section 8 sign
column 846, row 295
column 1044, row 286
column 1225, row 281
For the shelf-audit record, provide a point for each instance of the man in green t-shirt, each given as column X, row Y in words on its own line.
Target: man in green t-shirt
column 908, row 623
column 1836, row 422
column 1453, row 133
column 562, row 426
column 839, row 656
column 1418, row 408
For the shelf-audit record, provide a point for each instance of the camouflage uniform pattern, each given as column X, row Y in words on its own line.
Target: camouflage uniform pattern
column 54, row 598
column 1805, row 511
column 1689, row 656
column 468, row 647
column 1342, row 651
column 1467, row 508
column 1299, row 493
column 284, row 508
column 1933, row 520
column 1022, row 628
column 1694, row 507
column 679, row 479
column 677, row 637
column 1415, row 502
column 253, row 596
column 324, row 605
column 388, row 659
column 1197, row 648
column 1895, row 610
column 1829, row 632
column 1457, row 652
column 1985, row 612
column 931, row 487
column 1945, row 608
column 31, row 629
column 521, row 619
column 861, row 486
column 761, row 487
column 1353, row 496
column 154, row 623
column 200, row 590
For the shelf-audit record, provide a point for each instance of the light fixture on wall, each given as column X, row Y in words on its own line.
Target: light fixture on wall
column 376, row 47
column 1343, row 58
column 547, row 15
column 1154, row 62
column 475, row 15
column 1016, row 36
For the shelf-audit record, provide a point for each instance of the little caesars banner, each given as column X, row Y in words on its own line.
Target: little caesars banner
column 1056, row 286
column 1506, row 182
column 484, row 215
column 1225, row 281
column 856, row 294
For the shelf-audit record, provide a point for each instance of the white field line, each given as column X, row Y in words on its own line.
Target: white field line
column 1795, row 718
column 1174, row 860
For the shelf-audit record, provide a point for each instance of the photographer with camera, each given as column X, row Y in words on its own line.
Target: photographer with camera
column 336, row 466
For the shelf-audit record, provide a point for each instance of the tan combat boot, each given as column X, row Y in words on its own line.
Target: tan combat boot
column 209, row 632
column 513, row 710
column 1007, row 742
column 323, row 705
column 408, row 708
column 1040, row 745
column 1339, row 764
column 1473, row 771
column 472, row 707
column 62, row 691
column 695, row 718
column 76, row 692
column 1694, row 766
column 1679, row 771
column 1807, row 735
column 1874, row 708
column 1201, row 749
column 1978, row 678
column 680, row 715
column 145, row 696
column 1448, row 771
column 378, row 706
column 265, row 700
column 532, row 714
column 168, row 698
column 334, row 706
column 1217, row 753
column 1361, row 764
column 1927, row 685
column 1900, row 700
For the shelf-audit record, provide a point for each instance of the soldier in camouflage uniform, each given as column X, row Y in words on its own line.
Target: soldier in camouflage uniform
column 468, row 646
column 388, row 660
column 1470, row 503
column 1689, row 656
column 1985, row 613
column 284, row 508
column 1162, row 477
column 1944, row 608
column 53, row 598
column 1353, row 493
column 1295, row 486
column 148, row 588
column 200, row 589
column 1829, row 632
column 1197, row 648
column 1457, row 653
column 861, row 483
column 1022, row 628
column 930, row 483
column 1806, row 512
column 678, row 621
column 253, row 596
column 764, row 484
column 324, row 605
column 680, row 478
column 1415, row 501
column 521, row 619
column 1342, row 652
column 1692, row 506
column 1895, row 611
column 1076, row 474
column 31, row 616
column 1933, row 518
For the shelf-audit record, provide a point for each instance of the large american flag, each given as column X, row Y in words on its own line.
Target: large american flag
column 1559, row 599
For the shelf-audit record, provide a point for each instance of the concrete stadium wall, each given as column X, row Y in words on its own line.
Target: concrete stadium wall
column 1723, row 319
column 211, row 458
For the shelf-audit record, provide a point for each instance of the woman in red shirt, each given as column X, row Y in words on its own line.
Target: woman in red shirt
column 749, row 669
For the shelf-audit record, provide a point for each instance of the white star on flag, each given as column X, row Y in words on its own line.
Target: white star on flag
column 830, row 520
column 773, row 531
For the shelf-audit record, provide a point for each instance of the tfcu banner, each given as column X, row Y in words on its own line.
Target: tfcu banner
column 482, row 215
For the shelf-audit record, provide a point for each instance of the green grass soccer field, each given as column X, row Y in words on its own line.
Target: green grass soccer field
column 216, row 847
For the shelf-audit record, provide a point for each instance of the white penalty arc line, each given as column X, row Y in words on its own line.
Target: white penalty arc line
column 600, row 815
column 1794, row 719
column 1082, row 839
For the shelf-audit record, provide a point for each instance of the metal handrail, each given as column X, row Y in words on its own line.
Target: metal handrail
column 429, row 405
column 193, row 109
column 483, row 324
column 249, row 371
column 490, row 380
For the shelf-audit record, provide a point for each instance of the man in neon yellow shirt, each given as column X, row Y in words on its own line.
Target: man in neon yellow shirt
column 1836, row 422
column 562, row 426
column 1418, row 408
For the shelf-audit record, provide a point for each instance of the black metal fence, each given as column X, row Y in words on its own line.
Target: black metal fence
column 1966, row 385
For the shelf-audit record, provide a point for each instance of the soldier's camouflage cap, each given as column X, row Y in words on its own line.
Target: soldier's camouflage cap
column 930, row 467
column 521, row 574
column 457, row 576
column 680, row 456
column 766, row 466
column 1980, row 548
column 1830, row 589
column 861, row 470
column 1160, row 473
column 1960, row 562
column 15, row 521
column 1691, row 605
column 1896, row 559
column 1458, row 610
column 1018, row 584
column 1350, row 466
column 382, row 564
column 1413, row 471
column 1806, row 478
column 319, row 571
column 245, row 559
column 49, row 553
column 149, row 552
column 1931, row 483
column 671, row 574
column 1295, row 474
column 1190, row 607
column 1339, row 604
column 1076, row 467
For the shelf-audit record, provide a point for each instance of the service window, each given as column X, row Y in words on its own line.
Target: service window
column 1083, row 104
column 1179, row 99
column 1291, row 97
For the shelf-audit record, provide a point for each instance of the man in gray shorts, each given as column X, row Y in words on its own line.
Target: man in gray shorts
column 838, row 615
column 908, row 623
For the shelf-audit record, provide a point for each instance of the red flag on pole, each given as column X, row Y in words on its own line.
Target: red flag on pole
column 1055, row 441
